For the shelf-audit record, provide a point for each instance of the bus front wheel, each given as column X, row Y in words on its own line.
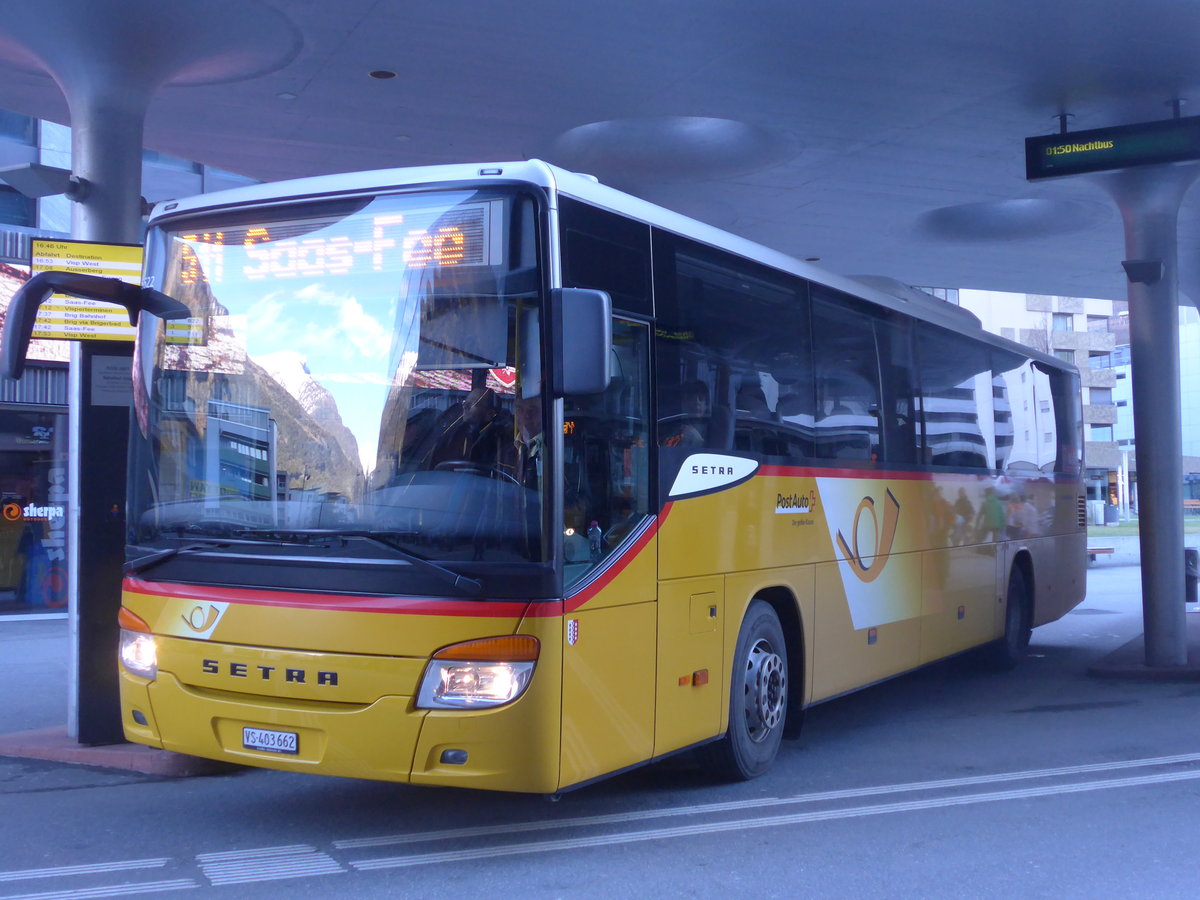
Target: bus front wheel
column 758, row 697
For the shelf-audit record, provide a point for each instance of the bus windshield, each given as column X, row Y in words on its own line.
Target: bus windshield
column 356, row 374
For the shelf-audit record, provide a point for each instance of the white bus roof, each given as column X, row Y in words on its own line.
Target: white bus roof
column 879, row 290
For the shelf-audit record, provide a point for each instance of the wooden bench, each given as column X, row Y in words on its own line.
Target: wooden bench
column 1093, row 552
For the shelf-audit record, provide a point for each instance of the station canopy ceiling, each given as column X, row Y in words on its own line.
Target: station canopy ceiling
column 879, row 137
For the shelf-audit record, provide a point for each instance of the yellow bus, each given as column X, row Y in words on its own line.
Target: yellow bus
column 492, row 476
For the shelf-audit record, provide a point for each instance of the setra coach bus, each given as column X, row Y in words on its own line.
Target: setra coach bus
column 492, row 476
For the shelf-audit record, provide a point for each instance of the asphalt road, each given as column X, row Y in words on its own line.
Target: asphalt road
column 951, row 782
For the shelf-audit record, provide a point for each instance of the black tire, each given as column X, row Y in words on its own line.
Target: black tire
column 758, row 698
column 1007, row 652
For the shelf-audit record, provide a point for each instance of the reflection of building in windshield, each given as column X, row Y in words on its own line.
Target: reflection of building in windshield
column 1002, row 416
column 1034, row 442
column 239, row 445
column 953, row 425
column 240, row 456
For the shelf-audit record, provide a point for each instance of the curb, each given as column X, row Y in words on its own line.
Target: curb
column 1129, row 660
column 53, row 744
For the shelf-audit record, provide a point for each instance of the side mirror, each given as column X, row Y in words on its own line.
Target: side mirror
column 580, row 341
column 22, row 310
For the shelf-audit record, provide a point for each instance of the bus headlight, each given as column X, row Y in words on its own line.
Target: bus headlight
column 139, row 654
column 479, row 674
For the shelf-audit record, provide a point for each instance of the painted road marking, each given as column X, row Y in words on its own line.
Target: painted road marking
column 304, row 860
column 731, row 806
column 114, row 890
column 267, row 864
column 765, row 822
column 57, row 871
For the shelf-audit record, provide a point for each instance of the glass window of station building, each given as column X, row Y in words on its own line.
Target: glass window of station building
column 33, row 508
column 34, row 502
column 33, row 418
column 34, row 430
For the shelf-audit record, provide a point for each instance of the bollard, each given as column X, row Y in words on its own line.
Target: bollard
column 1191, row 574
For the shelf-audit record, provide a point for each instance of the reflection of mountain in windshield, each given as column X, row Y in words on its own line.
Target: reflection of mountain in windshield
column 311, row 455
column 290, row 371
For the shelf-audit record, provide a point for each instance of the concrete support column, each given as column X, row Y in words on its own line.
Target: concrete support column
column 1149, row 201
column 106, row 150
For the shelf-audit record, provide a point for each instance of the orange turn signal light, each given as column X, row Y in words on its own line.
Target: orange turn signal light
column 131, row 622
column 505, row 648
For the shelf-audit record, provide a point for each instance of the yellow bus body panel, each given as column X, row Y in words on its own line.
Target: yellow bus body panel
column 899, row 569
column 608, row 691
column 353, row 712
column 692, row 687
column 509, row 748
column 608, row 646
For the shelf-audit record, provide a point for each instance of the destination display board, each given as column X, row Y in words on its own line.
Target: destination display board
column 63, row 317
column 1119, row 147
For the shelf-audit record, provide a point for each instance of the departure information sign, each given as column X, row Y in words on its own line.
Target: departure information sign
column 338, row 245
column 63, row 317
column 1120, row 147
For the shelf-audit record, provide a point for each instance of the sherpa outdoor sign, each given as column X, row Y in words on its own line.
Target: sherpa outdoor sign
column 74, row 318
column 1120, row 147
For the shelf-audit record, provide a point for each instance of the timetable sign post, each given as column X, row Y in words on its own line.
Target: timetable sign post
column 67, row 318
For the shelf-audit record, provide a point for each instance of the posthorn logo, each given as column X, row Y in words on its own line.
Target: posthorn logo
column 202, row 618
column 853, row 554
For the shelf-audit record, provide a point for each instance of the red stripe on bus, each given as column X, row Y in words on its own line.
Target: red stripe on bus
column 618, row 565
column 881, row 475
column 411, row 606
column 862, row 474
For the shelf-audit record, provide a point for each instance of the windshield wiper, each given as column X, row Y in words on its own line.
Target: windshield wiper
column 379, row 539
column 154, row 557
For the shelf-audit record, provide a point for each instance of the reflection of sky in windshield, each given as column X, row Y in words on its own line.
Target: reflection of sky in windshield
column 341, row 340
column 325, row 299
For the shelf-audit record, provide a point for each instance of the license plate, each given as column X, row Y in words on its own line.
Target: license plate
column 270, row 741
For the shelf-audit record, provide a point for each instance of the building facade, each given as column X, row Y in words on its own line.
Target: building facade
column 1189, row 391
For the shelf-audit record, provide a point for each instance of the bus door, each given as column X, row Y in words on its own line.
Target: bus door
column 610, row 568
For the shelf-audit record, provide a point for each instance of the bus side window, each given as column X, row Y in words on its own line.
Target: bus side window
column 684, row 415
column 847, row 376
column 739, row 332
column 956, row 400
column 606, row 456
column 898, row 387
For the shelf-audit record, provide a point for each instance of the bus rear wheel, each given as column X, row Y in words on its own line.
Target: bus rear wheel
column 1007, row 652
column 758, row 698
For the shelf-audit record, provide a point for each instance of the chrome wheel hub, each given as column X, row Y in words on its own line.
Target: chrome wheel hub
column 766, row 691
